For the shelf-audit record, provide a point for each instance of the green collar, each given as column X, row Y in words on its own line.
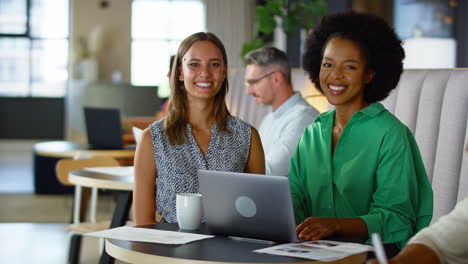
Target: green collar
column 373, row 109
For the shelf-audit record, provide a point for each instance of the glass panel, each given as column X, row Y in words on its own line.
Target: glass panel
column 431, row 18
column 150, row 62
column 14, row 66
column 428, row 32
column 167, row 19
column 150, row 19
column 49, row 18
column 49, row 68
column 186, row 18
column 13, row 17
column 158, row 27
column 173, row 46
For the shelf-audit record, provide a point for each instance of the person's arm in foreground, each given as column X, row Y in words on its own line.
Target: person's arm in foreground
column 443, row 241
column 256, row 160
column 414, row 254
column 144, row 200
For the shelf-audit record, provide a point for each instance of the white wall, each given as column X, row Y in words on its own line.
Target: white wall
column 85, row 15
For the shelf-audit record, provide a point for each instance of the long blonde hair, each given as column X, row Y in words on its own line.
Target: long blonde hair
column 176, row 121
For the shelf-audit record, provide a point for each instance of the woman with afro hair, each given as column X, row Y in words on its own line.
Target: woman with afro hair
column 357, row 169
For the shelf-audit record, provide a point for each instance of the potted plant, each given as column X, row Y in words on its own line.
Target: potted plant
column 291, row 14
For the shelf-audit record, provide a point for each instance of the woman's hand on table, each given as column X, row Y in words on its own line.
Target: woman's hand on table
column 315, row 228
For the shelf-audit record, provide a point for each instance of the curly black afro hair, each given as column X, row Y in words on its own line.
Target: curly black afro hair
column 379, row 42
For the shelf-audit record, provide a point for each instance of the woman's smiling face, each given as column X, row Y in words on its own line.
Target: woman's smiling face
column 203, row 70
column 344, row 73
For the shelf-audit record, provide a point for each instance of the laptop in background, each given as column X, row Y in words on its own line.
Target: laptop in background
column 103, row 127
column 248, row 205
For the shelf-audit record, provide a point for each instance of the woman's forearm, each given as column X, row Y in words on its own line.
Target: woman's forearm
column 352, row 227
column 314, row 228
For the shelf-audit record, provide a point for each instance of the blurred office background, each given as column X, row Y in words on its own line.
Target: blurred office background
column 46, row 44
column 50, row 50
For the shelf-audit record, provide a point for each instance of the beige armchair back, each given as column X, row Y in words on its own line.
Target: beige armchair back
column 434, row 105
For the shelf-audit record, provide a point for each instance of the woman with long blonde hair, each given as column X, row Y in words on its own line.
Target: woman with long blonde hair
column 197, row 133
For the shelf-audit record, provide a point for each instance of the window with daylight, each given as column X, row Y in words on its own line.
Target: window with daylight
column 33, row 47
column 158, row 27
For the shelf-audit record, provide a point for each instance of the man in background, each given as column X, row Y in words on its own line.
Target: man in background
column 268, row 80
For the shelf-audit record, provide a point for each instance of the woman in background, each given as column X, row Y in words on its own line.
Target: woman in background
column 165, row 105
column 197, row 133
column 357, row 169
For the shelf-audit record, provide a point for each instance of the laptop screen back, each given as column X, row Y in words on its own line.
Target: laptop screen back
column 248, row 205
column 103, row 128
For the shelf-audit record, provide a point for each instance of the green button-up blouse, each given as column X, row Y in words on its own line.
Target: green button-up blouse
column 376, row 173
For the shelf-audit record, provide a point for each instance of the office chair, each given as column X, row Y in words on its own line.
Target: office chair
column 137, row 132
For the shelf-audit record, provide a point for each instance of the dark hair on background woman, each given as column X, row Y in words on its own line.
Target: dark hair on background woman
column 381, row 46
column 176, row 121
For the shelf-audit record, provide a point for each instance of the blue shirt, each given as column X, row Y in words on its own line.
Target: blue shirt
column 280, row 131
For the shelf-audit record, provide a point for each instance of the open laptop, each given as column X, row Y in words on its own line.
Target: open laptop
column 103, row 127
column 248, row 205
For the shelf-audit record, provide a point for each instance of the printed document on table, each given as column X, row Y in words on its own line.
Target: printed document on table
column 323, row 250
column 125, row 171
column 139, row 234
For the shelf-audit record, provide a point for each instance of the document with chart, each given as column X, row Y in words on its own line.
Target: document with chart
column 323, row 250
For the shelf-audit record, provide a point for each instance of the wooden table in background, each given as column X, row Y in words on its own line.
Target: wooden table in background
column 46, row 155
column 122, row 185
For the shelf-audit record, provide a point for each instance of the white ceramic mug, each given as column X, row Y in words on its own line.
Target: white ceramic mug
column 189, row 210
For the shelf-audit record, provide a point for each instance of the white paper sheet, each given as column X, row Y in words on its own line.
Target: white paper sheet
column 125, row 171
column 323, row 250
column 148, row 235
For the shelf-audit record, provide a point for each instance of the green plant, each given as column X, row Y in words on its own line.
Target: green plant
column 293, row 13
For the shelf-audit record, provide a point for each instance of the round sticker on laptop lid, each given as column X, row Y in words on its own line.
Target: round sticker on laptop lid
column 246, row 206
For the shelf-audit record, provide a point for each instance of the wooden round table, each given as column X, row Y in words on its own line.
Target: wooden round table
column 118, row 179
column 68, row 149
column 46, row 155
column 219, row 249
column 111, row 178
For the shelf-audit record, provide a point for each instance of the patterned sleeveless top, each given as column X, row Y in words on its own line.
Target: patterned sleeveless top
column 177, row 165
